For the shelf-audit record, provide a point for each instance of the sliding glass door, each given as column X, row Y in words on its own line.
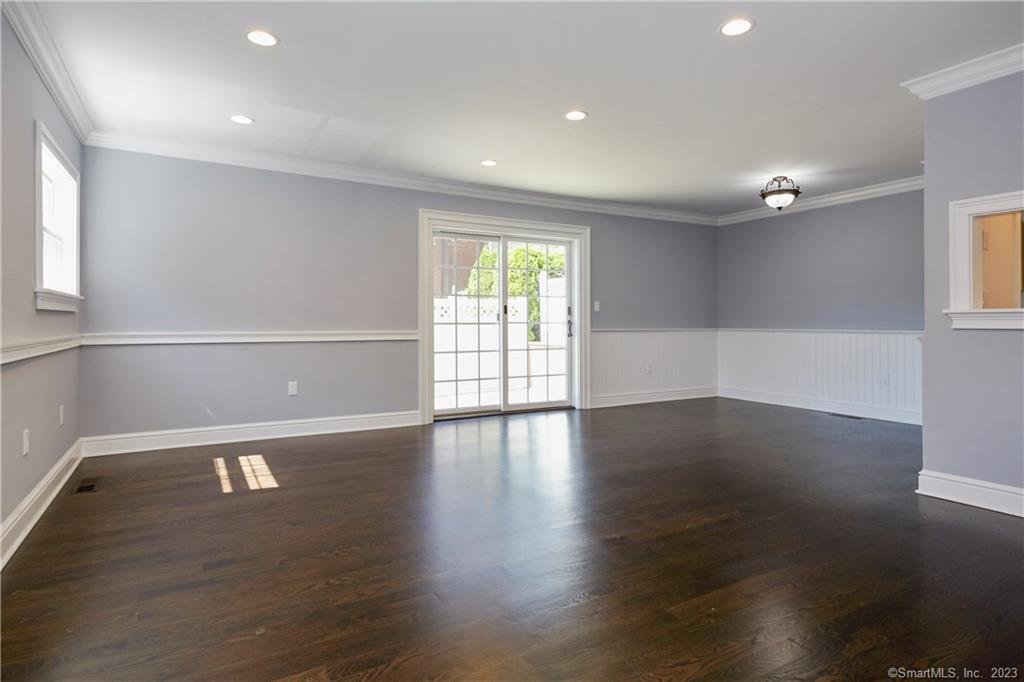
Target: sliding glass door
column 502, row 323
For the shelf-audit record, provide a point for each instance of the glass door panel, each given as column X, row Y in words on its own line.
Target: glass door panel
column 537, row 322
column 467, row 342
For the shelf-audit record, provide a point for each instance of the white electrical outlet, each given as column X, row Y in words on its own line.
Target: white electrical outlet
column 293, row 388
column 648, row 369
column 60, row 413
column 26, row 442
column 597, row 306
column 885, row 379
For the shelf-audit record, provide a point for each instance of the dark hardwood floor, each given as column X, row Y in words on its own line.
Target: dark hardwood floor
column 711, row 539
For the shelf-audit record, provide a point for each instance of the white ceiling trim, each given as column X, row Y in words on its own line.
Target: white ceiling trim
column 848, row 196
column 337, row 171
column 973, row 72
column 30, row 28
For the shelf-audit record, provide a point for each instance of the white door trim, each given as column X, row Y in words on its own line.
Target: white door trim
column 579, row 235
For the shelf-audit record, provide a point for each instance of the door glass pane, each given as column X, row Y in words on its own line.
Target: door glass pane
column 538, row 361
column 557, row 388
column 465, row 280
column 444, row 309
column 517, row 308
column 536, row 284
column 469, row 365
column 490, row 392
column 538, row 389
column 444, row 338
column 517, row 363
column 444, row 395
column 489, row 307
column 468, row 394
column 517, row 392
column 467, row 337
column 556, row 362
column 490, row 337
column 490, row 365
column 467, row 309
column 516, row 336
column 444, row 367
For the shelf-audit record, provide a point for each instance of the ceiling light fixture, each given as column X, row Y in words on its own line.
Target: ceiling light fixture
column 780, row 192
column 736, row 27
column 490, row 163
column 242, row 119
column 576, row 115
column 262, row 38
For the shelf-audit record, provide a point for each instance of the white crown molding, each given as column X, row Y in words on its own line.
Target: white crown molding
column 28, row 24
column 845, row 197
column 969, row 73
column 174, row 338
column 335, row 171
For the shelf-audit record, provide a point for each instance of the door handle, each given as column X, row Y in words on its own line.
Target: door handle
column 569, row 323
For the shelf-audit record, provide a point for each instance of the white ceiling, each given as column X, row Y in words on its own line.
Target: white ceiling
column 681, row 117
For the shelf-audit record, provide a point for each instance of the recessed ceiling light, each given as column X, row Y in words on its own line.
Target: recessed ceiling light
column 490, row 163
column 736, row 27
column 242, row 119
column 261, row 38
column 576, row 115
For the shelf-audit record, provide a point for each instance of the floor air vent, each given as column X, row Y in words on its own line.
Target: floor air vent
column 844, row 416
column 87, row 485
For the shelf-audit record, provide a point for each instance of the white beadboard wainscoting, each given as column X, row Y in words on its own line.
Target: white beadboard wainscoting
column 648, row 365
column 875, row 374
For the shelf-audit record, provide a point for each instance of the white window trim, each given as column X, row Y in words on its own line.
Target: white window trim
column 579, row 235
column 50, row 299
column 964, row 273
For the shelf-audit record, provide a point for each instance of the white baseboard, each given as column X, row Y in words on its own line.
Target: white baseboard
column 888, row 414
column 24, row 517
column 94, row 446
column 975, row 492
column 636, row 397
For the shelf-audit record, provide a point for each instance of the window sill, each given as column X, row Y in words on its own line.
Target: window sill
column 990, row 318
column 47, row 299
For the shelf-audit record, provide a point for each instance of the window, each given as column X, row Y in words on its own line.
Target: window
column 56, row 226
column 986, row 257
column 997, row 248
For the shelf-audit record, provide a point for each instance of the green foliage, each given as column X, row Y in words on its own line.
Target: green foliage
column 523, row 278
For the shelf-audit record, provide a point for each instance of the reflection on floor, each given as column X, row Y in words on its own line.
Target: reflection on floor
column 705, row 538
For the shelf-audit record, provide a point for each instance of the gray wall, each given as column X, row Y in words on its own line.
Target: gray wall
column 187, row 245
column 137, row 388
column 176, row 245
column 973, row 380
column 852, row 266
column 32, row 390
column 26, row 99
